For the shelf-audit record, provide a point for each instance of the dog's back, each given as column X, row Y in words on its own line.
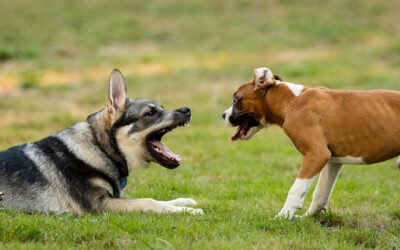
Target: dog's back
column 21, row 182
column 54, row 174
column 363, row 123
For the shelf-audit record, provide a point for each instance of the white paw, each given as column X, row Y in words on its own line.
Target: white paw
column 287, row 213
column 196, row 211
column 306, row 214
column 301, row 216
column 182, row 202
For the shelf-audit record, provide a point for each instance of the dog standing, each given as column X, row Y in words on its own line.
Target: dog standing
column 85, row 167
column 328, row 127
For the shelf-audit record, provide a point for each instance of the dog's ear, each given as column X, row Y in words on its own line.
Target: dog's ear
column 117, row 92
column 263, row 78
column 277, row 78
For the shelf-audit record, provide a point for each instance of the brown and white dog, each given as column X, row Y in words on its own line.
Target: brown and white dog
column 328, row 127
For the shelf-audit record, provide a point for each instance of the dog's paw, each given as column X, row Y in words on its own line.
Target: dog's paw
column 287, row 213
column 195, row 211
column 183, row 202
column 301, row 216
column 307, row 214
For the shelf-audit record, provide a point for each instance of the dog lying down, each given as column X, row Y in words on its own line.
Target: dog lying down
column 84, row 168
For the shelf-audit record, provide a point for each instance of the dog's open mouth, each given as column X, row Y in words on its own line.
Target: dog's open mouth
column 247, row 124
column 160, row 152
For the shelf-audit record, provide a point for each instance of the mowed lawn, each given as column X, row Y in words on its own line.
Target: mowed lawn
column 55, row 57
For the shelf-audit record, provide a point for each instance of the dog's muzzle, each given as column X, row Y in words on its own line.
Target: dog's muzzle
column 247, row 124
column 227, row 115
column 159, row 151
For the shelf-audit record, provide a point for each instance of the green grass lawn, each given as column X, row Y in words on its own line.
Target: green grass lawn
column 196, row 53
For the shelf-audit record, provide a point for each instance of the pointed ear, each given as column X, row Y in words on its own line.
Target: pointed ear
column 263, row 77
column 117, row 92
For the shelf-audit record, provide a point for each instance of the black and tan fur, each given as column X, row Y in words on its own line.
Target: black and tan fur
column 84, row 168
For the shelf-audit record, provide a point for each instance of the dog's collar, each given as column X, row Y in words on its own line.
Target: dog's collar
column 122, row 184
column 123, row 181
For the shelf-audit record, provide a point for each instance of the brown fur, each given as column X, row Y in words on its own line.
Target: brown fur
column 322, row 123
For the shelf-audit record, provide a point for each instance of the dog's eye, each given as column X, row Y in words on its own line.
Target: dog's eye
column 150, row 113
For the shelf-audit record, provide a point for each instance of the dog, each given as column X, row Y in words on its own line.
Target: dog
column 328, row 127
column 84, row 168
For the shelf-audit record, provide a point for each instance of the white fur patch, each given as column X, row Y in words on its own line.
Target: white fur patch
column 259, row 73
column 295, row 88
column 228, row 113
column 179, row 206
column 296, row 197
column 398, row 162
column 133, row 147
column 323, row 191
column 180, row 202
column 347, row 160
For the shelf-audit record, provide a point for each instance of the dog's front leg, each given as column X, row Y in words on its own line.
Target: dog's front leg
column 311, row 166
column 149, row 205
column 181, row 202
column 324, row 188
column 295, row 198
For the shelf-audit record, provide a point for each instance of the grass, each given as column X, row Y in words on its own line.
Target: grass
column 55, row 57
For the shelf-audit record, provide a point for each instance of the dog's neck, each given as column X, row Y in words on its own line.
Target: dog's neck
column 105, row 139
column 278, row 99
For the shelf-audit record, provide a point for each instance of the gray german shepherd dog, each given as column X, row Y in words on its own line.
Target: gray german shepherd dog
column 83, row 169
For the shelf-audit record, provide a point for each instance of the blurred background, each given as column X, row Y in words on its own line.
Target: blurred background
column 55, row 58
column 193, row 50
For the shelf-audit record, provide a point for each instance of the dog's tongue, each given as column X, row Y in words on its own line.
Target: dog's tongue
column 241, row 132
column 166, row 152
column 236, row 135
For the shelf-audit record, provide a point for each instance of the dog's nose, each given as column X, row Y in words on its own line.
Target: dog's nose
column 223, row 115
column 185, row 110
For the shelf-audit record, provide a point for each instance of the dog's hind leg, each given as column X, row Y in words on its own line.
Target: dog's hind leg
column 323, row 191
column 147, row 205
